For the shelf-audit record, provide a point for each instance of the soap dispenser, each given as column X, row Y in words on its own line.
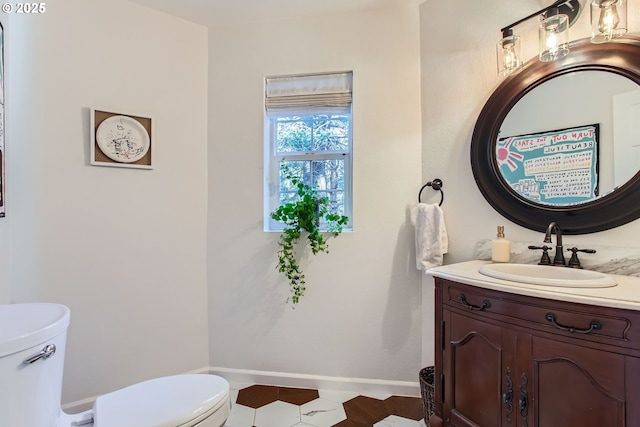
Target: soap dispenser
column 500, row 247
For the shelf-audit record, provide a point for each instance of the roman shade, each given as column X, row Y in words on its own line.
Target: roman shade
column 310, row 93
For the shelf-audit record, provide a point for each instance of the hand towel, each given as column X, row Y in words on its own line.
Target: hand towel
column 431, row 236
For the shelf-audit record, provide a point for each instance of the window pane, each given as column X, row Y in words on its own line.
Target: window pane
column 312, row 133
column 293, row 134
column 326, row 176
column 331, row 133
column 336, row 201
column 288, row 170
column 298, row 169
column 321, row 174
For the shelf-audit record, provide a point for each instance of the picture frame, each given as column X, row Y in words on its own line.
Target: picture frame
column 121, row 140
column 2, row 126
column 555, row 168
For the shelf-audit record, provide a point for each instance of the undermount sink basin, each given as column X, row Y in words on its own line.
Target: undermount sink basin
column 548, row 275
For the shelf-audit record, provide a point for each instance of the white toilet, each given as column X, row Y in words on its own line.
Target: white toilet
column 32, row 347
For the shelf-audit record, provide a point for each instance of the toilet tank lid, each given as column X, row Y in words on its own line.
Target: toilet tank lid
column 162, row 402
column 27, row 325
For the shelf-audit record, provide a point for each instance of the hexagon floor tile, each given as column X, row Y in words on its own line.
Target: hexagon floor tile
column 270, row 406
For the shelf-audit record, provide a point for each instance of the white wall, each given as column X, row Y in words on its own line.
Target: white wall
column 361, row 314
column 125, row 249
column 458, row 75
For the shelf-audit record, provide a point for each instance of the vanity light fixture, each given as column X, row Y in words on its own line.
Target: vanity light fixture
column 554, row 35
column 608, row 20
column 509, row 53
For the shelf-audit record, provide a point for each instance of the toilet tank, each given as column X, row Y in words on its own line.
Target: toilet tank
column 30, row 368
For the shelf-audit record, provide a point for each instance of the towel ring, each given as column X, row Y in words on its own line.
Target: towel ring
column 436, row 184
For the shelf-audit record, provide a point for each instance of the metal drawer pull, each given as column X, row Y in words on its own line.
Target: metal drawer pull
column 594, row 325
column 524, row 401
column 463, row 300
column 508, row 395
column 48, row 351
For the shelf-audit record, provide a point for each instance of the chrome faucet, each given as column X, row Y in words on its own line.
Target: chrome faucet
column 558, row 259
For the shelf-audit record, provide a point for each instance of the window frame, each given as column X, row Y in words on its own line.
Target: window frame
column 273, row 160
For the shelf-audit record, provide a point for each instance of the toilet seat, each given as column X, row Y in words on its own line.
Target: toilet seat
column 174, row 401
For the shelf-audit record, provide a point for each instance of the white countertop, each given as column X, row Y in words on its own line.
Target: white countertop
column 626, row 294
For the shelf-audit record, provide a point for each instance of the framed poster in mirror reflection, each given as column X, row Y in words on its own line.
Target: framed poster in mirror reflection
column 556, row 168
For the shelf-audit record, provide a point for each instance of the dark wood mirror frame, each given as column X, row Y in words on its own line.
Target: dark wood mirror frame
column 622, row 57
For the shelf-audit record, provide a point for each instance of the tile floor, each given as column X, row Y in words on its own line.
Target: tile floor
column 271, row 406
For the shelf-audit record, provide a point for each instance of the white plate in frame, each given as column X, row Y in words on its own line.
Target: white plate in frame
column 123, row 139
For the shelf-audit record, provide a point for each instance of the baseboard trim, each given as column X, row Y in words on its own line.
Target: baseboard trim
column 364, row 386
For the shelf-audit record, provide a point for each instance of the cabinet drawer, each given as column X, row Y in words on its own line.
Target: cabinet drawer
column 585, row 322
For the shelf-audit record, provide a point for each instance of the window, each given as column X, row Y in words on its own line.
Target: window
column 308, row 134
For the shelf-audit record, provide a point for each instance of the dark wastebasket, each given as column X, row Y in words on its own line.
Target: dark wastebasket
column 427, row 391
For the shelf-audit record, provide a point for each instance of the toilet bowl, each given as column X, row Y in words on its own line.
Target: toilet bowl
column 32, row 348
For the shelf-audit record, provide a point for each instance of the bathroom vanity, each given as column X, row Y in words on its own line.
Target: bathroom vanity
column 522, row 355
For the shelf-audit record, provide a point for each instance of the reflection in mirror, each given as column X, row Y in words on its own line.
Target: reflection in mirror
column 571, row 139
column 554, row 168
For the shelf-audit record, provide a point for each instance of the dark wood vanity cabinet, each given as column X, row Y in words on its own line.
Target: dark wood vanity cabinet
column 505, row 359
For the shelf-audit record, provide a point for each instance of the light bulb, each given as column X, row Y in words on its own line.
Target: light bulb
column 552, row 42
column 510, row 57
column 609, row 19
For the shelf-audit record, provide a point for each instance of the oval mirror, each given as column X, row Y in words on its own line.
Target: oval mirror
column 552, row 142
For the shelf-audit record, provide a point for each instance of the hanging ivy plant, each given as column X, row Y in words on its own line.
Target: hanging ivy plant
column 303, row 216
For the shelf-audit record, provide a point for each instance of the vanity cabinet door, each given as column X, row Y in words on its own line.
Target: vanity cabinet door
column 474, row 364
column 573, row 385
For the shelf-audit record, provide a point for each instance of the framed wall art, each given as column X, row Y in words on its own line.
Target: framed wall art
column 121, row 140
column 2, row 152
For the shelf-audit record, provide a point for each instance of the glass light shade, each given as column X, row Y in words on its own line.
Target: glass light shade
column 509, row 53
column 608, row 20
column 554, row 38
